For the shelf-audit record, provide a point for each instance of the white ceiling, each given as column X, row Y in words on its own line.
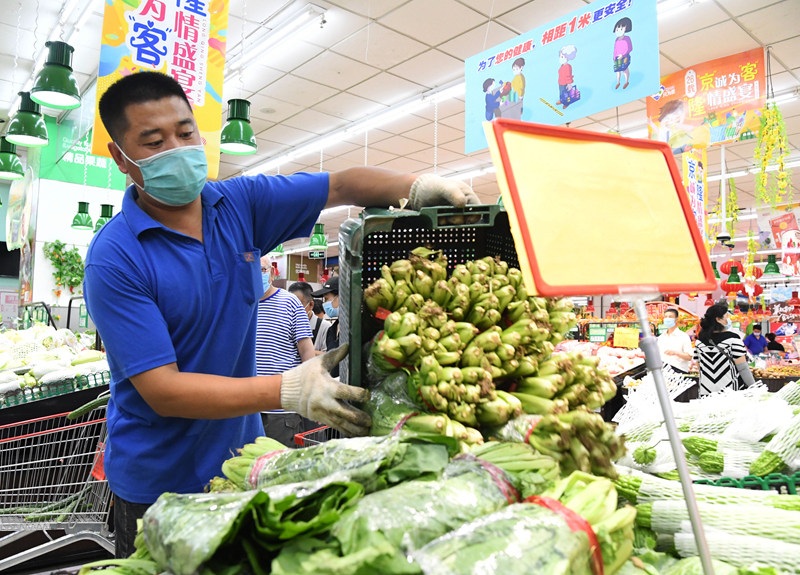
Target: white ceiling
column 372, row 54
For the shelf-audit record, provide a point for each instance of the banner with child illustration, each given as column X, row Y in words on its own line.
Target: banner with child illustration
column 593, row 59
column 715, row 102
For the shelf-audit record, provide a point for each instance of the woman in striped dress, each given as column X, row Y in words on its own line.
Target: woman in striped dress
column 720, row 354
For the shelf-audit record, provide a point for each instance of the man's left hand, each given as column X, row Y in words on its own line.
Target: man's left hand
column 433, row 190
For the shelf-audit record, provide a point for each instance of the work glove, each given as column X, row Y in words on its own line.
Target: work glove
column 309, row 390
column 432, row 190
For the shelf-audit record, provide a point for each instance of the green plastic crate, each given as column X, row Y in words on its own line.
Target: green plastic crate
column 785, row 484
column 381, row 237
column 46, row 391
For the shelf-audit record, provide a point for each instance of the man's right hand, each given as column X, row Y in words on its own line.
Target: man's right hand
column 309, row 390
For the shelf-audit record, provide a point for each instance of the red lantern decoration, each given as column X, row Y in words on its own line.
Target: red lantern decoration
column 301, row 277
column 709, row 302
column 726, row 267
column 757, row 272
column 624, row 307
column 590, row 307
column 730, row 289
column 794, row 301
column 325, row 276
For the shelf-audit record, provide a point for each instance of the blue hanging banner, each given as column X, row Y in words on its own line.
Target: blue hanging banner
column 572, row 67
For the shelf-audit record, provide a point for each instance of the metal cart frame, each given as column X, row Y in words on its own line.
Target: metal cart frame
column 52, row 478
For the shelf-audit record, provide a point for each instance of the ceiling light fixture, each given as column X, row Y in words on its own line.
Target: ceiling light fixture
column 106, row 213
column 55, row 86
column 263, row 47
column 237, row 136
column 10, row 164
column 27, row 127
column 82, row 220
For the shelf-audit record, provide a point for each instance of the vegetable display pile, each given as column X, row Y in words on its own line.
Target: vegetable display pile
column 43, row 355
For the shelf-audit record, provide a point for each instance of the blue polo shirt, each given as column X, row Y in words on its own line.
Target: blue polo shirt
column 158, row 297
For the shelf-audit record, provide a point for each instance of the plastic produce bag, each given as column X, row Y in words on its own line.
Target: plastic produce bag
column 184, row 533
column 375, row 535
column 520, row 539
column 742, row 550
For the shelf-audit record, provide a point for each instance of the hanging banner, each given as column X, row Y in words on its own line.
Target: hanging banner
column 694, row 178
column 182, row 38
column 572, row 67
column 715, row 102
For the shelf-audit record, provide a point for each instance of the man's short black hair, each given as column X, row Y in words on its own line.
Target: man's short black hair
column 303, row 288
column 757, row 326
column 318, row 309
column 673, row 310
column 135, row 89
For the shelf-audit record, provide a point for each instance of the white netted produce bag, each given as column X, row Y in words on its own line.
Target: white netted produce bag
column 786, row 443
column 5, row 343
column 669, row 516
column 790, row 393
column 759, row 419
column 737, row 463
column 663, row 462
column 24, row 348
column 642, row 401
column 742, row 550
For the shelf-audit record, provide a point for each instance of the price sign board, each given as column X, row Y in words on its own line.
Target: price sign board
column 316, row 255
column 626, row 337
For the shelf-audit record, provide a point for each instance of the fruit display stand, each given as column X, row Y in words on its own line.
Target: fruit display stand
column 599, row 172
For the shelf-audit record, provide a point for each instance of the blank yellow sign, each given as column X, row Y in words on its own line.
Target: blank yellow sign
column 593, row 213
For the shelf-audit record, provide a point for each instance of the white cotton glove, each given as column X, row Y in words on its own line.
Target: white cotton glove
column 309, row 390
column 432, row 190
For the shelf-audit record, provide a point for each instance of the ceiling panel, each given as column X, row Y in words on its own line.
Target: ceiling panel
column 443, row 156
column 387, row 89
column 774, row 23
column 493, row 8
column 373, row 136
column 531, row 15
column 314, row 121
column 432, row 22
column 348, row 106
column 374, row 156
column 431, row 69
column 789, row 51
column 340, row 148
column 404, row 165
column 339, row 24
column 446, row 109
column 271, row 109
column 386, row 48
column 469, row 43
column 292, row 54
column 254, row 78
column 399, row 145
column 286, row 135
column 714, row 42
column 425, row 134
column 704, row 14
column 298, row 91
column 370, row 8
column 739, row 7
column 336, row 71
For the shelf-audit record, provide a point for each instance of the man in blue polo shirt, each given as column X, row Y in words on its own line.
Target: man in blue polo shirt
column 172, row 284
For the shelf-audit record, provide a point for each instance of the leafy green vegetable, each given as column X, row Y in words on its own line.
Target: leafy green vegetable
column 185, row 532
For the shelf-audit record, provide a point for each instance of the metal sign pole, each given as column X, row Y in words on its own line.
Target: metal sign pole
column 649, row 345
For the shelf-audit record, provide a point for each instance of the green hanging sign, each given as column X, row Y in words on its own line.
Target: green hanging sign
column 83, row 316
column 69, row 165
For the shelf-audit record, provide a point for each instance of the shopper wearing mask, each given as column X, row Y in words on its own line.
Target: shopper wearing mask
column 720, row 354
column 319, row 327
column 330, row 303
column 756, row 343
column 172, row 284
column 674, row 344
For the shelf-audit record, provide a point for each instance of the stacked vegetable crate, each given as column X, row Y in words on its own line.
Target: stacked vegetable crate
column 48, row 390
column 381, row 237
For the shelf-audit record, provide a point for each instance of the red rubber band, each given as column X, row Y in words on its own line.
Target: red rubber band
column 258, row 465
column 497, row 475
column 428, row 405
column 530, row 431
column 403, row 421
column 382, row 313
column 576, row 523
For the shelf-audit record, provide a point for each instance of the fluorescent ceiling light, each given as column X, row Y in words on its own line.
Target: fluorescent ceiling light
column 453, row 92
column 729, row 175
column 672, row 6
column 740, row 218
column 740, row 254
column 788, row 97
column 291, row 26
column 472, row 173
column 388, row 116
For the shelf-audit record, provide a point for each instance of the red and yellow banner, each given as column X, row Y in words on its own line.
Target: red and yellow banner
column 185, row 39
column 694, row 178
column 715, row 102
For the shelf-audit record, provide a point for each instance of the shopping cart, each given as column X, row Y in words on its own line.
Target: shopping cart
column 52, row 478
column 316, row 436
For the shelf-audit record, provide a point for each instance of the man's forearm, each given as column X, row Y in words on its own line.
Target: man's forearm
column 306, row 349
column 171, row 393
column 368, row 187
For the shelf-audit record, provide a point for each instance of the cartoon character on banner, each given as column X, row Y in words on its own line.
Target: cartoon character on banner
column 567, row 92
column 622, row 50
column 492, row 98
column 790, row 243
column 518, row 83
column 671, row 127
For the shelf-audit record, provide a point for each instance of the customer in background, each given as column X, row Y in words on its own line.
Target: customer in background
column 720, row 354
column 330, row 303
column 283, row 341
column 319, row 327
column 755, row 342
column 318, row 309
column 773, row 345
column 674, row 344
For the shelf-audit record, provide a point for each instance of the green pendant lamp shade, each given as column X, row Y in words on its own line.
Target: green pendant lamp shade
column 55, row 86
column 27, row 127
column 82, row 220
column 10, row 164
column 733, row 277
column 716, row 271
column 238, row 137
column 771, row 269
column 318, row 239
column 106, row 211
column 278, row 251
